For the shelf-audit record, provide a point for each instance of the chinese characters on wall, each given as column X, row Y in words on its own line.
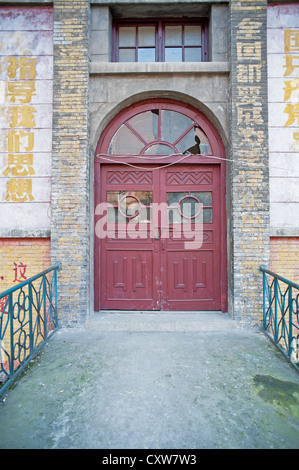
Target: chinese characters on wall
column 283, row 105
column 22, row 73
column 19, row 270
column 249, row 151
column 249, row 77
column 20, row 260
column 291, row 88
column 26, row 97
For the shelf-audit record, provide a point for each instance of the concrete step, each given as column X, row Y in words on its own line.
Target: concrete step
column 159, row 321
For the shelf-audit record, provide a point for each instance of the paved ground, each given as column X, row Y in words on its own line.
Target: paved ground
column 202, row 389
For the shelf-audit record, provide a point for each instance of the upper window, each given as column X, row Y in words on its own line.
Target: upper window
column 159, row 131
column 160, row 41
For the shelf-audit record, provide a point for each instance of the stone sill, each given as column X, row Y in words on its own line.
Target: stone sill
column 25, row 233
column 281, row 232
column 103, row 68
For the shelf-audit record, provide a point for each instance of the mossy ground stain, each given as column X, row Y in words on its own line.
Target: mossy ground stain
column 275, row 391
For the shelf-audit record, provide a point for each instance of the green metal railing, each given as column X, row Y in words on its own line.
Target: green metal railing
column 281, row 314
column 28, row 318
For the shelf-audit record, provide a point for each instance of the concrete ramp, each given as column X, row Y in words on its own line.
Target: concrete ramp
column 133, row 391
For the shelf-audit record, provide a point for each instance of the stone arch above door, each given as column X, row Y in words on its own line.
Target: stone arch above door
column 135, row 123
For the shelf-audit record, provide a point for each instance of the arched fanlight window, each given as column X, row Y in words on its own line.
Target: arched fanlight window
column 159, row 131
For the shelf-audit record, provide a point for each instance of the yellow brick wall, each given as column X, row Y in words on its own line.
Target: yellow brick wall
column 70, row 159
column 284, row 257
column 22, row 258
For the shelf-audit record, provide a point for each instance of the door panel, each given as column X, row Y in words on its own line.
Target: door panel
column 190, row 257
column 129, row 276
column 151, row 260
column 190, row 283
column 129, row 261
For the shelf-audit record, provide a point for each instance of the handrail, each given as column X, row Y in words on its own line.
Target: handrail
column 281, row 313
column 29, row 317
column 31, row 279
column 281, row 278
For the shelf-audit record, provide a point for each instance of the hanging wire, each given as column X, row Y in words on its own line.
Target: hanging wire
column 107, row 157
column 112, row 159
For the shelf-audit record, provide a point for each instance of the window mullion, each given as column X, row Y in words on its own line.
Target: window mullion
column 183, row 43
column 116, row 49
column 160, row 42
column 159, row 124
column 136, row 44
column 204, row 43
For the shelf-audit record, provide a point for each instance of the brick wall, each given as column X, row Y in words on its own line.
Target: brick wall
column 70, row 170
column 285, row 257
column 22, row 258
column 249, row 152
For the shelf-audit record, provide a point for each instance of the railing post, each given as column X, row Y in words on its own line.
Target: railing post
column 56, row 298
column 290, row 320
column 10, row 313
column 45, row 306
column 275, row 309
column 30, row 317
column 264, row 299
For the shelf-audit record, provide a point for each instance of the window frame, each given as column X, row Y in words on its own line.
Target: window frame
column 160, row 25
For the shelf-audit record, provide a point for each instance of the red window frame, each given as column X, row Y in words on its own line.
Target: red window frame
column 160, row 25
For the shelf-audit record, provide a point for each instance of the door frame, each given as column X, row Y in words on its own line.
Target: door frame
column 218, row 157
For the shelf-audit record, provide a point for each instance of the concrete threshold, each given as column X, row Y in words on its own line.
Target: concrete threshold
column 112, row 320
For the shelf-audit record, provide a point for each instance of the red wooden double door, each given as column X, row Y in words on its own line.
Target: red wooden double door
column 160, row 245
